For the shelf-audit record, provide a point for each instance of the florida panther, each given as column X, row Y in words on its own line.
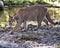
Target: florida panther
column 32, row 13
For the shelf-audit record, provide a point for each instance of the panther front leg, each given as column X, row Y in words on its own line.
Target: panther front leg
column 24, row 28
column 18, row 26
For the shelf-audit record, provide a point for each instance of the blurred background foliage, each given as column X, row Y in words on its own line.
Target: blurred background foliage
column 11, row 6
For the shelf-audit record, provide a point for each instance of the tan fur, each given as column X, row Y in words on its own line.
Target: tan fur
column 32, row 13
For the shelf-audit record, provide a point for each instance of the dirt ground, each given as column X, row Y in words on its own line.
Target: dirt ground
column 30, row 39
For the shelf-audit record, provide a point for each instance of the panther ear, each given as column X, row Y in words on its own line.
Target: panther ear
column 10, row 16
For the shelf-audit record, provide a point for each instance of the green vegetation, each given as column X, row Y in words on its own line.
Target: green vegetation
column 17, row 2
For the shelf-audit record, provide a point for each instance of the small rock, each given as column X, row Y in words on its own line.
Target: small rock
column 6, row 44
